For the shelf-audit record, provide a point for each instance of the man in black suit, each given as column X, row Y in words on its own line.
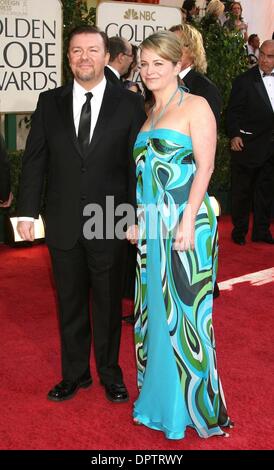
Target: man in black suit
column 87, row 175
column 5, row 194
column 194, row 67
column 120, row 59
column 250, row 125
column 192, row 75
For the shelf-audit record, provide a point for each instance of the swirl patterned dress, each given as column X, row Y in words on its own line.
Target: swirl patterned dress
column 175, row 347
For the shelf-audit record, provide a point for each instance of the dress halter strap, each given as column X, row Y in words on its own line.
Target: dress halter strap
column 154, row 122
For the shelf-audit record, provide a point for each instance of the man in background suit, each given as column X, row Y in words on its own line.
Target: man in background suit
column 5, row 194
column 194, row 67
column 250, row 126
column 83, row 170
column 120, row 59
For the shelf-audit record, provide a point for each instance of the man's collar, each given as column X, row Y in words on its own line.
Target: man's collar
column 98, row 90
column 264, row 75
column 114, row 71
column 184, row 72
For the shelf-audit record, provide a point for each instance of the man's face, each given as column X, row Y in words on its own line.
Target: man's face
column 266, row 57
column 256, row 42
column 126, row 58
column 186, row 58
column 87, row 59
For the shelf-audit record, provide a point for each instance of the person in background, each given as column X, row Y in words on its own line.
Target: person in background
column 6, row 196
column 122, row 62
column 194, row 66
column 82, row 136
column 252, row 48
column 192, row 75
column 128, row 78
column 177, row 248
column 250, row 126
column 213, row 15
column 130, row 262
column 236, row 21
column 120, row 59
column 191, row 10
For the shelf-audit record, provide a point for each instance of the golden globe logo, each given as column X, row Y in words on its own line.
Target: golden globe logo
column 135, row 22
column 30, row 51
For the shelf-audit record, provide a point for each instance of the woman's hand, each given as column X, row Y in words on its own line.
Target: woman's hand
column 185, row 234
column 132, row 234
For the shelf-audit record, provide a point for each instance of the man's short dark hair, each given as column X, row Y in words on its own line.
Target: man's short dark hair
column 116, row 46
column 189, row 4
column 251, row 37
column 88, row 29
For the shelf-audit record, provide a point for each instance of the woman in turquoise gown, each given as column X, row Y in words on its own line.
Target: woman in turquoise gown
column 177, row 255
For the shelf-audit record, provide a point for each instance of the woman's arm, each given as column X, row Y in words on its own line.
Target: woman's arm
column 204, row 135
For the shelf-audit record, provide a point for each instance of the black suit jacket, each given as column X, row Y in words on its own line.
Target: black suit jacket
column 199, row 84
column 112, row 77
column 249, row 110
column 75, row 180
column 4, row 172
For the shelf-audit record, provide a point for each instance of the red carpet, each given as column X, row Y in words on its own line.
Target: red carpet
column 29, row 361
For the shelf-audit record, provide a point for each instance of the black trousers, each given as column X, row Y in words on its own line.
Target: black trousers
column 75, row 271
column 252, row 187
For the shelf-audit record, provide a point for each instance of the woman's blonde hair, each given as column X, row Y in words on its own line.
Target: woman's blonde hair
column 165, row 44
column 191, row 38
column 215, row 7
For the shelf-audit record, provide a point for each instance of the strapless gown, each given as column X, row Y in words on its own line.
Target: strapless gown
column 175, row 347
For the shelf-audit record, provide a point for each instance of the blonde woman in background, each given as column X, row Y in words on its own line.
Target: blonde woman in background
column 237, row 22
column 214, row 12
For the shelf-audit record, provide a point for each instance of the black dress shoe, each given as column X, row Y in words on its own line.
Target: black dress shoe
column 238, row 239
column 67, row 389
column 265, row 239
column 116, row 393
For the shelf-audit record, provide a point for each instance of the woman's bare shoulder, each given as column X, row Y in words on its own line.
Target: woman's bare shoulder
column 194, row 100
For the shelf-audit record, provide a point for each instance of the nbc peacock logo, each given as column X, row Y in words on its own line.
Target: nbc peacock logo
column 131, row 14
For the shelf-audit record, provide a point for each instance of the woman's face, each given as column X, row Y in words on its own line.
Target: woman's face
column 236, row 10
column 157, row 73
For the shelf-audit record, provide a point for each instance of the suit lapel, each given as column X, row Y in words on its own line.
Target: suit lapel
column 110, row 75
column 109, row 104
column 188, row 80
column 259, row 85
column 65, row 105
column 189, row 77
